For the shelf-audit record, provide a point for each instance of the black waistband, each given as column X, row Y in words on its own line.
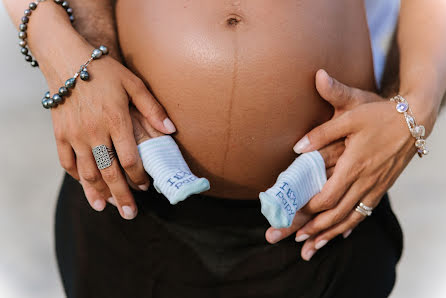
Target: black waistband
column 204, row 209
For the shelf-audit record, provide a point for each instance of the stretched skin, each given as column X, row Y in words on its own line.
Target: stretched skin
column 237, row 77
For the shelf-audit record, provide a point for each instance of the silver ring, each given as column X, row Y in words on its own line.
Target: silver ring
column 103, row 156
column 364, row 209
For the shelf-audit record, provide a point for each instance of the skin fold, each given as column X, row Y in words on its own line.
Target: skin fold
column 237, row 77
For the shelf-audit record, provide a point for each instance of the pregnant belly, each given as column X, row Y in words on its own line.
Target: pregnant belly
column 237, row 77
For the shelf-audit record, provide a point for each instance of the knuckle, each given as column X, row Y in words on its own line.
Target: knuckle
column 68, row 165
column 115, row 119
column 156, row 110
column 138, row 84
column 90, row 176
column 327, row 203
column 128, row 161
column 338, row 216
column 316, row 226
column 110, row 175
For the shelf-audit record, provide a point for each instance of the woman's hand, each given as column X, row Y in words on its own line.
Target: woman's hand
column 378, row 146
column 142, row 130
column 330, row 154
column 97, row 112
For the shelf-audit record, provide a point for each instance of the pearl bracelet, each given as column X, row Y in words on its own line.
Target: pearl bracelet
column 23, row 27
column 417, row 131
column 53, row 101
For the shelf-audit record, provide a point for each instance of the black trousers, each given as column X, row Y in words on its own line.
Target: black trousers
column 213, row 247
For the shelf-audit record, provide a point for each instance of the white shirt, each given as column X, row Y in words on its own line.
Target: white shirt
column 382, row 16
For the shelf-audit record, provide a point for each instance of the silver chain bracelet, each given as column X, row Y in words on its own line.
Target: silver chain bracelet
column 417, row 131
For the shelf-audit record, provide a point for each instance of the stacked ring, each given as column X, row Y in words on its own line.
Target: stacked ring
column 364, row 209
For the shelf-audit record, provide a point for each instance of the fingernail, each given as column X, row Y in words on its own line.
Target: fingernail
column 309, row 254
column 320, row 244
column 168, row 124
column 144, row 187
column 275, row 236
column 111, row 200
column 98, row 205
column 346, row 233
column 330, row 79
column 302, row 237
column 128, row 212
column 301, row 145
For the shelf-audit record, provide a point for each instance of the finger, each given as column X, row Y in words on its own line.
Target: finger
column 345, row 227
column 330, row 172
column 273, row 235
column 130, row 183
column 148, row 128
column 67, row 158
column 312, row 245
column 333, row 216
column 308, row 249
column 332, row 152
column 122, row 134
column 326, row 133
column 140, row 131
column 148, row 105
column 345, row 173
column 115, row 180
column 95, row 189
column 112, row 201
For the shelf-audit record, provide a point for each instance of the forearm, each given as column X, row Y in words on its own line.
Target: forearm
column 53, row 41
column 422, row 43
column 95, row 21
column 52, row 37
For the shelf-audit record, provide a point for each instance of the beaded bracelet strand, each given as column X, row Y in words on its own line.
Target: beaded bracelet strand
column 23, row 27
column 53, row 101
column 417, row 131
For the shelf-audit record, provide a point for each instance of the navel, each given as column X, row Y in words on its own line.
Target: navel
column 233, row 20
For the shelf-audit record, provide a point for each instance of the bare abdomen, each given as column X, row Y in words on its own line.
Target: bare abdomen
column 237, row 77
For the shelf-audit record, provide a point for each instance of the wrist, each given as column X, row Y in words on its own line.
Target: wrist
column 424, row 94
column 425, row 108
column 54, row 42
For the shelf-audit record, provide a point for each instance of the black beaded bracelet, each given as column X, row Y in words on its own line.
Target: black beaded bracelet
column 23, row 27
column 53, row 101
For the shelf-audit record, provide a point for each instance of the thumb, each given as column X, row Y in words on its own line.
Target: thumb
column 333, row 91
column 139, row 132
